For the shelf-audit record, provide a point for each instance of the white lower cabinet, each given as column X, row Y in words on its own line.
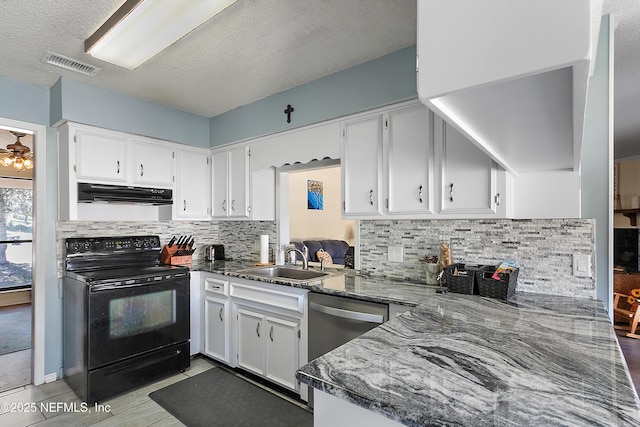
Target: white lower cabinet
column 257, row 326
column 282, row 350
column 216, row 335
column 271, row 331
column 217, row 319
column 268, row 345
column 250, row 339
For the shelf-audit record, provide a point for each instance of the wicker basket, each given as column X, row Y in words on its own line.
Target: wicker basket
column 501, row 289
column 464, row 282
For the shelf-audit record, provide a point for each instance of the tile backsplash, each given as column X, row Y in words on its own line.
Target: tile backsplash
column 543, row 248
column 238, row 237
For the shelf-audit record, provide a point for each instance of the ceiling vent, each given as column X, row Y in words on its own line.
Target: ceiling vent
column 70, row 64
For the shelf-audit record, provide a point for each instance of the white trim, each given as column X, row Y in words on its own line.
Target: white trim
column 38, row 287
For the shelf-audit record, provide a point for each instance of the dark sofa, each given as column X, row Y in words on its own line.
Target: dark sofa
column 336, row 248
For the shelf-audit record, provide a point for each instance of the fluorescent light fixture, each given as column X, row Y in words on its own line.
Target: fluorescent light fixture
column 142, row 28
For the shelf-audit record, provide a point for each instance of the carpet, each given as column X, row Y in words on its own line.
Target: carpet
column 220, row 398
column 15, row 328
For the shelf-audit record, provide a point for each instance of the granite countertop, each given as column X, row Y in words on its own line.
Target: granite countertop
column 465, row 360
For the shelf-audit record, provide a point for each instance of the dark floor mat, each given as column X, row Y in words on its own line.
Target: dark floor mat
column 220, row 398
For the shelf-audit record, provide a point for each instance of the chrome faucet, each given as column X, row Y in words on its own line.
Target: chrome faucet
column 305, row 261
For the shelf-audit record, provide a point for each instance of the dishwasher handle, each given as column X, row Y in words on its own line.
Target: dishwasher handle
column 347, row 314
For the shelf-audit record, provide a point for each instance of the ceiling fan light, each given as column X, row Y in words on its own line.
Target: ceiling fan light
column 28, row 163
column 7, row 161
column 18, row 164
column 140, row 29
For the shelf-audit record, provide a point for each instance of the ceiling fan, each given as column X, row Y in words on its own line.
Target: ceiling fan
column 16, row 154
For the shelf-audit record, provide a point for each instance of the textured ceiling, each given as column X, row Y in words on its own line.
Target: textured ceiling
column 253, row 49
column 257, row 48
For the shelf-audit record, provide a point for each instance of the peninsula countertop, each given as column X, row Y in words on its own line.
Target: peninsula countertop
column 466, row 360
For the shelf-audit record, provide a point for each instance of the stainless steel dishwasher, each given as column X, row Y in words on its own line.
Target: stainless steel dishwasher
column 335, row 320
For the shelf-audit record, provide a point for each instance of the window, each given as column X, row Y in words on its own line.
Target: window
column 15, row 234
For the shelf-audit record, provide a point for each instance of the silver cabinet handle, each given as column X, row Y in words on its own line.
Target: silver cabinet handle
column 233, row 205
column 371, row 197
column 141, row 169
column 224, row 205
column 118, row 166
column 420, row 193
column 220, row 314
column 451, row 192
column 258, row 329
column 497, row 199
column 346, row 314
column 184, row 205
column 271, row 334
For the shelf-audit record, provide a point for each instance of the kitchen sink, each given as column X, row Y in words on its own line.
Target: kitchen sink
column 286, row 273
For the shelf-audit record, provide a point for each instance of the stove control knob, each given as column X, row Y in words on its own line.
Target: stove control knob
column 137, row 243
column 86, row 246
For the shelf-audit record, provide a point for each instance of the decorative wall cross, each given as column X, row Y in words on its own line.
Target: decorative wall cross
column 288, row 112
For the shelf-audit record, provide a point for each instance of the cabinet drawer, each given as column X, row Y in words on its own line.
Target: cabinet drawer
column 216, row 286
column 272, row 297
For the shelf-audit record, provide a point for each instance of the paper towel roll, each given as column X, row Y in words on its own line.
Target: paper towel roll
column 264, row 249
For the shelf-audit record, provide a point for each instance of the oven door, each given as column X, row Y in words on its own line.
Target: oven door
column 128, row 320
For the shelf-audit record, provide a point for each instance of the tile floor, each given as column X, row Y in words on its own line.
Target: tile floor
column 45, row 405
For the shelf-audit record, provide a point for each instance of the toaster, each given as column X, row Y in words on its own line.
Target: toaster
column 214, row 253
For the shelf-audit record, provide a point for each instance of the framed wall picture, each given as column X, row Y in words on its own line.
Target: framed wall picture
column 314, row 195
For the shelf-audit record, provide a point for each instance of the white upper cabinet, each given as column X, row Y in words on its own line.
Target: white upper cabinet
column 230, row 183
column 469, row 177
column 362, row 166
column 405, row 162
column 219, row 184
column 101, row 155
column 409, row 151
column 106, row 156
column 192, row 199
column 153, row 164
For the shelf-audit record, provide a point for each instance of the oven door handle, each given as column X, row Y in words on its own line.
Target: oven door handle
column 347, row 314
column 111, row 287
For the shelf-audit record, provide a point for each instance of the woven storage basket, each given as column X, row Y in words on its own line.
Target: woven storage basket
column 501, row 289
column 462, row 283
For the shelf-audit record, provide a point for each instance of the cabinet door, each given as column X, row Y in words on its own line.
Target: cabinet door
column 101, row 156
column 468, row 175
column 410, row 161
column 219, row 184
column 239, row 182
column 153, row 165
column 193, row 194
column 216, row 328
column 250, row 340
column 282, row 351
column 362, row 167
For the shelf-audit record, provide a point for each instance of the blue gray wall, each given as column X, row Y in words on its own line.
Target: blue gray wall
column 82, row 103
column 379, row 82
column 24, row 102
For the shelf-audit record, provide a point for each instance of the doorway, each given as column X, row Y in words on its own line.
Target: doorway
column 16, row 214
column 38, row 219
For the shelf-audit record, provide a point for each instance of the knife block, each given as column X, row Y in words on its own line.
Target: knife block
column 167, row 256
